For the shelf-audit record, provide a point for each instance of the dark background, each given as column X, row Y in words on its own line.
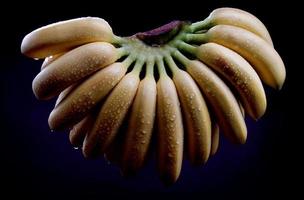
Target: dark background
column 36, row 163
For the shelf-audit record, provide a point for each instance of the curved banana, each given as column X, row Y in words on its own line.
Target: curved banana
column 238, row 18
column 221, row 100
column 65, row 93
column 262, row 56
column 196, row 114
column 140, row 126
column 242, row 109
column 79, row 131
column 238, row 72
column 112, row 114
column 49, row 60
column 65, row 35
column 114, row 152
column 215, row 135
column 215, row 138
column 73, row 66
column 170, row 129
column 85, row 97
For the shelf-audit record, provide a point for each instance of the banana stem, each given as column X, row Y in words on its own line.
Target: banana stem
column 196, row 38
column 150, row 67
column 186, row 47
column 118, row 40
column 138, row 66
column 180, row 57
column 128, row 61
column 122, row 51
column 161, row 67
column 205, row 24
column 172, row 65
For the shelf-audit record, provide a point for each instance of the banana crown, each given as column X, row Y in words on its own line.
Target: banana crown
column 179, row 81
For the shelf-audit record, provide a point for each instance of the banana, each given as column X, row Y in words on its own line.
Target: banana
column 49, row 60
column 239, row 73
column 65, row 35
column 170, row 129
column 65, row 93
column 79, row 131
column 196, row 114
column 114, row 152
column 242, row 109
column 263, row 57
column 112, row 114
column 85, row 97
column 221, row 100
column 215, row 138
column 73, row 66
column 238, row 18
column 215, row 135
column 140, row 125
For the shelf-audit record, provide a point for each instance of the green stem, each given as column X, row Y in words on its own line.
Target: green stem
column 197, row 38
column 128, row 61
column 205, row 24
column 122, row 51
column 150, row 67
column 161, row 67
column 181, row 57
column 138, row 66
column 186, row 47
column 118, row 40
column 172, row 65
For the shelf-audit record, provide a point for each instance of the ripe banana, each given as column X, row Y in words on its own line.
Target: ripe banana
column 196, row 114
column 79, row 131
column 112, row 114
column 215, row 135
column 221, row 100
column 213, row 68
column 215, row 138
column 170, row 129
column 262, row 56
column 238, row 18
column 65, row 93
column 65, row 35
column 238, row 72
column 86, row 96
column 140, row 125
column 49, row 60
column 73, row 66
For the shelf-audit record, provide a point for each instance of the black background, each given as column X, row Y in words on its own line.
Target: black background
column 36, row 163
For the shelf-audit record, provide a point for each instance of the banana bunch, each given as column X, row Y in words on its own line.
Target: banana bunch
column 167, row 89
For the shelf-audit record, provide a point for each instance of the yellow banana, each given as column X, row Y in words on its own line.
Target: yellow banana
column 196, row 114
column 139, row 132
column 65, row 35
column 85, row 97
column 236, row 17
column 49, row 60
column 215, row 135
column 220, row 98
column 170, row 129
column 238, row 72
column 79, row 131
column 112, row 114
column 65, row 93
column 242, row 109
column 114, row 152
column 262, row 56
column 73, row 66
column 215, row 138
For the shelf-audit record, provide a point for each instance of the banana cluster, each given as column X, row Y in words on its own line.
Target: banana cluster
column 121, row 97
